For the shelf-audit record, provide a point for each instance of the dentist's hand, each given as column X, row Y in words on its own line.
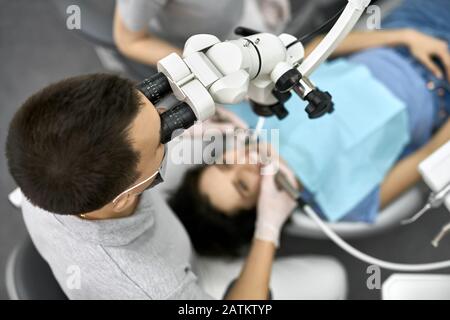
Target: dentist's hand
column 273, row 209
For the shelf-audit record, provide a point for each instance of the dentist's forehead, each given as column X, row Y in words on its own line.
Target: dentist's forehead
column 144, row 135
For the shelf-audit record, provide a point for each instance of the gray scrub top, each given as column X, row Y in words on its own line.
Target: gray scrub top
column 176, row 20
column 147, row 255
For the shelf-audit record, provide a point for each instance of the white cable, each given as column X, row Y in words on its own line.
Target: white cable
column 258, row 128
column 342, row 27
column 369, row 259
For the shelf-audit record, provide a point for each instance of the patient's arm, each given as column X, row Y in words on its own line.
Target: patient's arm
column 360, row 40
column 405, row 174
column 273, row 209
column 422, row 46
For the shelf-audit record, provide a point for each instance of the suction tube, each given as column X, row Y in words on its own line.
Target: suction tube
column 369, row 259
column 284, row 184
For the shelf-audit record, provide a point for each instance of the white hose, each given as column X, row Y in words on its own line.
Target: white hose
column 369, row 259
column 258, row 128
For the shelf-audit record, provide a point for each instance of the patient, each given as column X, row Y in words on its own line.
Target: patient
column 410, row 58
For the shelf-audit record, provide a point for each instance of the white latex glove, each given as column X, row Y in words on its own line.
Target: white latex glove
column 273, row 208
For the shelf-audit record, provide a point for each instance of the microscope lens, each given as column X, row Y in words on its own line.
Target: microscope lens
column 155, row 88
column 176, row 118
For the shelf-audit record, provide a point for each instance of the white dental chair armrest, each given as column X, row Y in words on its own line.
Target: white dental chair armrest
column 401, row 286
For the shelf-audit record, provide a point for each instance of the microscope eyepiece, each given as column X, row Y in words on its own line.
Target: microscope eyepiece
column 180, row 116
column 155, row 88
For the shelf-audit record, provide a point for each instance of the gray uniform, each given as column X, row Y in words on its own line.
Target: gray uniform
column 176, row 20
column 147, row 255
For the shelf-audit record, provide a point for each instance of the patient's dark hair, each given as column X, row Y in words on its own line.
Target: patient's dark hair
column 212, row 232
column 68, row 147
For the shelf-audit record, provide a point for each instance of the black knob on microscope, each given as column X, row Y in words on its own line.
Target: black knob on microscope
column 319, row 103
column 280, row 110
column 288, row 80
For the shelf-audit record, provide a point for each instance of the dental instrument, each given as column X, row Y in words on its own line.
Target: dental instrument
column 258, row 128
column 435, row 200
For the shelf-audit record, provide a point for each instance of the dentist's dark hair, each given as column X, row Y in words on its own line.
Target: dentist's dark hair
column 212, row 232
column 68, row 147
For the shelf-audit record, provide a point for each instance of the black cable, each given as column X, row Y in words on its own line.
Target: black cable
column 333, row 19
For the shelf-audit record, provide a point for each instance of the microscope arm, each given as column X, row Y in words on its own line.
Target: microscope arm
column 340, row 30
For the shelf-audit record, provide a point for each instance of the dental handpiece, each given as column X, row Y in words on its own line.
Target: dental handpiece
column 444, row 232
column 283, row 183
column 435, row 200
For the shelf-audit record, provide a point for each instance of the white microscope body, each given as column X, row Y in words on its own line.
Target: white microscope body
column 213, row 72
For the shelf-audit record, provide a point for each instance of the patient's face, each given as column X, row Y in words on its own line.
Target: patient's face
column 232, row 187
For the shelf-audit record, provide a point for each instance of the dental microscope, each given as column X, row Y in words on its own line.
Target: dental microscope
column 262, row 67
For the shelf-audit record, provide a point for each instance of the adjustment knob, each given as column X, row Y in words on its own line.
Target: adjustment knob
column 319, row 103
column 288, row 80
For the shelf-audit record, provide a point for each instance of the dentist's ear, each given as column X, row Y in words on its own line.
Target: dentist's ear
column 121, row 203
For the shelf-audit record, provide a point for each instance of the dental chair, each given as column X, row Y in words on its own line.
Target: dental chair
column 404, row 286
column 28, row 276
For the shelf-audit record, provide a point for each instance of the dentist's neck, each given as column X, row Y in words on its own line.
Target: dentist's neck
column 108, row 212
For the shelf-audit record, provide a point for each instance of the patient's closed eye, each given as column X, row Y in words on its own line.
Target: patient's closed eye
column 242, row 188
column 243, row 185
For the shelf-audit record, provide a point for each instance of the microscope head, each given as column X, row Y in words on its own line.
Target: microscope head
column 176, row 118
